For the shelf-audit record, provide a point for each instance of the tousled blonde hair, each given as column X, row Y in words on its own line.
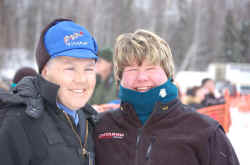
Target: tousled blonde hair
column 138, row 46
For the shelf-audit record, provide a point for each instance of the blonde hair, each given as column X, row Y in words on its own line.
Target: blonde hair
column 138, row 46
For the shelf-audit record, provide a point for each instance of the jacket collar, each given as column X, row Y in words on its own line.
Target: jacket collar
column 167, row 107
column 160, row 108
column 47, row 90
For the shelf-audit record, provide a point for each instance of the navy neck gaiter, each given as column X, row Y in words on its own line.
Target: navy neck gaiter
column 144, row 102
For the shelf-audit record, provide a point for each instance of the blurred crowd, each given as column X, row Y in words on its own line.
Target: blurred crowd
column 203, row 95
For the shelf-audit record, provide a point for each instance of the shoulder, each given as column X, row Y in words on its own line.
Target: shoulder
column 16, row 114
column 222, row 151
column 11, row 117
column 108, row 116
column 12, row 110
column 197, row 120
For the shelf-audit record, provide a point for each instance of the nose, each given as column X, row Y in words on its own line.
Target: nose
column 80, row 77
column 142, row 76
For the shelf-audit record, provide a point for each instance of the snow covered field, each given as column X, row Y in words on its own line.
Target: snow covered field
column 239, row 135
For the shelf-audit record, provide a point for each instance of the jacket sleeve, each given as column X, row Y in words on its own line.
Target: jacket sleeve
column 221, row 150
column 14, row 147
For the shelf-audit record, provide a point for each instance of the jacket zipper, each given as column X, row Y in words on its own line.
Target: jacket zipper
column 83, row 146
column 138, row 138
column 149, row 150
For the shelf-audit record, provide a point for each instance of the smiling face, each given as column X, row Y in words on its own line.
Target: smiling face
column 76, row 78
column 142, row 46
column 143, row 77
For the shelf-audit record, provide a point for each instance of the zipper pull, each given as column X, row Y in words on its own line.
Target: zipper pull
column 138, row 138
column 148, row 153
column 84, row 152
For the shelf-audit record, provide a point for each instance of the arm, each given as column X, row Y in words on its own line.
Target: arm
column 221, row 150
column 14, row 147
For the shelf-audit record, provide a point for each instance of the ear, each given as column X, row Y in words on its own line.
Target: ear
column 45, row 72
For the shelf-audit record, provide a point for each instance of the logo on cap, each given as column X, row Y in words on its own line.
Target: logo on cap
column 69, row 39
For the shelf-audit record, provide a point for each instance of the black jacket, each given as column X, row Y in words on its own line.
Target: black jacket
column 174, row 134
column 33, row 131
column 210, row 99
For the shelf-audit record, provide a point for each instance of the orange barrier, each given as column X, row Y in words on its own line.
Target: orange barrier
column 241, row 102
column 221, row 112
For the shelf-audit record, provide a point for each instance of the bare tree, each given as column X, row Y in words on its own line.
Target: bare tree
column 193, row 28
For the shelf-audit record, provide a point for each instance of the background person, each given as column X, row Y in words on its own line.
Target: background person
column 3, row 89
column 209, row 85
column 195, row 96
column 3, row 86
column 21, row 73
column 210, row 98
column 105, row 93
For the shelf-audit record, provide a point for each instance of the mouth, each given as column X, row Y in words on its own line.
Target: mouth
column 143, row 89
column 79, row 92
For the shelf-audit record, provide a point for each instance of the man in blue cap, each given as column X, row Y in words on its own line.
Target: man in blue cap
column 47, row 119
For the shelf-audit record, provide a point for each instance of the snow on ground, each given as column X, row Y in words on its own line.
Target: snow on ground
column 239, row 135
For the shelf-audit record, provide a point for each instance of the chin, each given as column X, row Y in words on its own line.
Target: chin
column 77, row 107
column 82, row 103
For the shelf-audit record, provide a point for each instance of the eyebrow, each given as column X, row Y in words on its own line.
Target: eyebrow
column 91, row 63
column 130, row 67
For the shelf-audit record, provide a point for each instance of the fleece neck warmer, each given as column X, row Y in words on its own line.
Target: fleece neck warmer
column 144, row 102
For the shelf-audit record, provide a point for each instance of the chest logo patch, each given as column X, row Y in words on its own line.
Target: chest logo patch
column 111, row 135
column 163, row 92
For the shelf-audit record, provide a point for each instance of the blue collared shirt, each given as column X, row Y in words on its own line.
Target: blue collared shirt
column 70, row 112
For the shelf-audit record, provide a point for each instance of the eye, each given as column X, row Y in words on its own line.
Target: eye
column 150, row 68
column 131, row 69
column 69, row 68
column 89, row 69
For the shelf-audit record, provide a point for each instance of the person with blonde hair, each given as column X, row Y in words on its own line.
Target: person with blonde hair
column 152, row 126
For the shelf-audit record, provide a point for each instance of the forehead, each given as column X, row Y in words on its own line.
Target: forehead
column 145, row 62
column 64, row 60
column 209, row 82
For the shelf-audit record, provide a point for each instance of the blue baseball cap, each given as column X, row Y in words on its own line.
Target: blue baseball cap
column 67, row 38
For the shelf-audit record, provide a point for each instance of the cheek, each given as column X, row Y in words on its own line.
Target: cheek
column 158, row 78
column 127, row 80
column 92, row 82
column 64, row 81
column 59, row 77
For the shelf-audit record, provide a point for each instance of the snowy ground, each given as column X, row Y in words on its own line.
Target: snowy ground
column 239, row 135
